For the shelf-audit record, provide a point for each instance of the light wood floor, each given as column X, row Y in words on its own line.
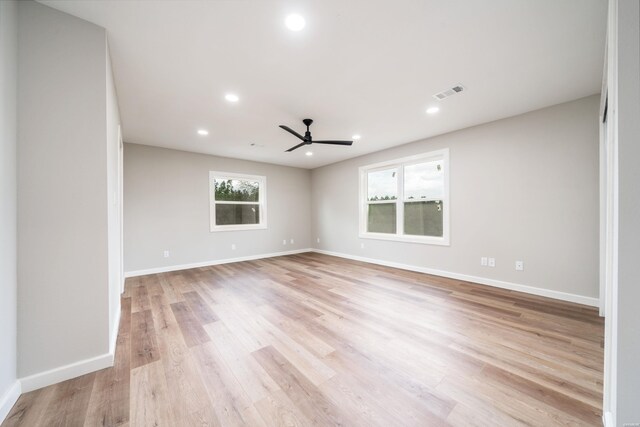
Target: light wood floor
column 316, row 340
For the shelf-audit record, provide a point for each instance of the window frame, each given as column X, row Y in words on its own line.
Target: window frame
column 399, row 165
column 262, row 201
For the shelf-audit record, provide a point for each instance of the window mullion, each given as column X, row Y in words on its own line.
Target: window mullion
column 233, row 202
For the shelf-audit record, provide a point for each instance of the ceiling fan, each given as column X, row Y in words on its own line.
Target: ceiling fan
column 307, row 140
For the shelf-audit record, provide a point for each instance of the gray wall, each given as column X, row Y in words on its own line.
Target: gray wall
column 628, row 325
column 166, row 207
column 63, row 301
column 8, row 201
column 522, row 188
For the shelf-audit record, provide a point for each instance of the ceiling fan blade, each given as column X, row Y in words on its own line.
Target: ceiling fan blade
column 334, row 142
column 297, row 146
column 292, row 132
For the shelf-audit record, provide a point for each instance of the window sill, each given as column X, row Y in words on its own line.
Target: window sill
column 425, row 240
column 217, row 228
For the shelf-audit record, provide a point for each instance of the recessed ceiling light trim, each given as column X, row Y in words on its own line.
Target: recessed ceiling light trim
column 356, row 137
column 294, row 22
column 309, row 153
column 432, row 110
column 203, row 132
column 232, row 97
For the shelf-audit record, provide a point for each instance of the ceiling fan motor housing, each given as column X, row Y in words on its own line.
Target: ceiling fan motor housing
column 307, row 134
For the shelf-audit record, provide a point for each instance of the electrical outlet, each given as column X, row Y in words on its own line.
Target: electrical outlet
column 520, row 265
column 166, row 254
column 292, row 241
column 361, row 245
column 284, row 242
column 492, row 262
column 483, row 261
column 233, row 246
column 318, row 240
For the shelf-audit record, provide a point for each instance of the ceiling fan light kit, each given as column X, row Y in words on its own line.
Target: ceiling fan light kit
column 307, row 139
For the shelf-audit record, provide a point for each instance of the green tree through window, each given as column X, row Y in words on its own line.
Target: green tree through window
column 236, row 190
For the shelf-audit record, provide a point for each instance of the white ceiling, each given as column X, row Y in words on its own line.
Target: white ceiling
column 359, row 66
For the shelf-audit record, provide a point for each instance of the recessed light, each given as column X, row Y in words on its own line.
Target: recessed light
column 432, row 110
column 231, row 97
column 203, row 132
column 309, row 153
column 295, row 22
column 356, row 137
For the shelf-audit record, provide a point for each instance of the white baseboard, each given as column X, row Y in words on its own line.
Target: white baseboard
column 213, row 262
column 63, row 373
column 579, row 299
column 9, row 399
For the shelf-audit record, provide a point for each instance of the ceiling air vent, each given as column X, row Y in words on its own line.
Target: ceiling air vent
column 449, row 92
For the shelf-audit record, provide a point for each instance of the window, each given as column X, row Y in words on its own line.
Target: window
column 406, row 199
column 238, row 202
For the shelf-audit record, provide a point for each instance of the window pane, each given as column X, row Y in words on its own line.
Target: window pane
column 382, row 218
column 229, row 214
column 423, row 218
column 424, row 181
column 382, row 185
column 237, row 190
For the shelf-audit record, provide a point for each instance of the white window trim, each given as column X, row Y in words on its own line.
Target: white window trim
column 262, row 201
column 399, row 165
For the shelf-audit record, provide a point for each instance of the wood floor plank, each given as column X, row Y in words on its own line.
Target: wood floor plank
column 184, row 383
column 488, row 396
column 179, row 281
column 263, row 333
column 251, row 338
column 360, row 406
column 306, row 362
column 144, row 346
column 169, row 290
column 109, row 403
column 297, row 329
column 150, row 401
column 231, row 403
column 200, row 308
column 403, row 398
column 311, row 339
column 125, row 316
column 251, row 376
column 30, row 408
column 69, row 403
column 479, row 416
column 140, row 298
column 153, row 284
column 307, row 397
column 192, row 329
column 560, row 401
column 131, row 284
column 278, row 410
